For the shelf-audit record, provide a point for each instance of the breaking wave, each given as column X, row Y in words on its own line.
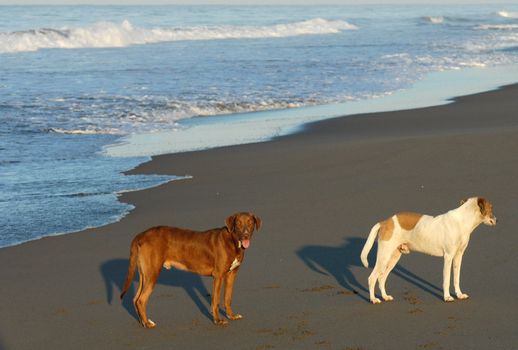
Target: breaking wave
column 507, row 14
column 109, row 34
column 161, row 115
column 433, row 19
column 445, row 20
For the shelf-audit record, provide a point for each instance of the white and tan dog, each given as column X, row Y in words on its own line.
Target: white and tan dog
column 444, row 235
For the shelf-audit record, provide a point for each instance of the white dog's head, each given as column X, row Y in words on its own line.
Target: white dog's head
column 484, row 208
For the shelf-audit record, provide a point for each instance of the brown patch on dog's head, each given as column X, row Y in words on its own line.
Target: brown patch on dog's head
column 486, row 210
column 407, row 221
column 243, row 225
column 483, row 204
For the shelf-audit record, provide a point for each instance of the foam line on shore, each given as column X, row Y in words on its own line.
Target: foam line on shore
column 242, row 128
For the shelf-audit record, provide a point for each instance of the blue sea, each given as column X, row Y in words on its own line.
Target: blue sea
column 88, row 92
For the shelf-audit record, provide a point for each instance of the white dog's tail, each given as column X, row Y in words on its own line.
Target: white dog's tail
column 368, row 244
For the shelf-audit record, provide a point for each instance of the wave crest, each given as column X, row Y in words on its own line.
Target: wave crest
column 446, row 20
column 153, row 116
column 507, row 14
column 433, row 19
column 108, row 34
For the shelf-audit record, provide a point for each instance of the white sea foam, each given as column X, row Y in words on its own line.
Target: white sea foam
column 445, row 19
column 434, row 19
column 85, row 131
column 507, row 14
column 154, row 117
column 481, row 47
column 181, row 110
column 108, row 34
column 497, row 26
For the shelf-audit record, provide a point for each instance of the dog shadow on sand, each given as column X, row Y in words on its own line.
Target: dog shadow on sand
column 114, row 274
column 338, row 262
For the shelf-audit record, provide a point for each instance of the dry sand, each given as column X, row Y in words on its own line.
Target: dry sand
column 302, row 285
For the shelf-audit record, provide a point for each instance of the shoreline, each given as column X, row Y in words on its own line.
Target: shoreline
column 302, row 285
column 202, row 133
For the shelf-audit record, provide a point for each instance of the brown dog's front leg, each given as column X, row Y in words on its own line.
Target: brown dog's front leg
column 216, row 293
column 230, row 277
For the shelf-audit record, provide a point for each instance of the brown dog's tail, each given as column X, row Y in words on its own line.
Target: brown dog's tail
column 131, row 268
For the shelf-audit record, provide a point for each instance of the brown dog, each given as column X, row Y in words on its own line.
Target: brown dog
column 218, row 253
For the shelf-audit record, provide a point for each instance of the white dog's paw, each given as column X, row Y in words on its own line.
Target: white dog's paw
column 388, row 298
column 448, row 298
column 375, row 301
column 462, row 296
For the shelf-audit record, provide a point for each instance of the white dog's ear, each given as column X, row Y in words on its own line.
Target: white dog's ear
column 462, row 201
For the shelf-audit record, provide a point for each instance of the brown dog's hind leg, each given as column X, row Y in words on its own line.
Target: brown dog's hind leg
column 216, row 294
column 139, row 291
column 148, row 278
column 230, row 277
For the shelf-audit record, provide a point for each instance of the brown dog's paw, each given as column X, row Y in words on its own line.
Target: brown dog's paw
column 234, row 317
column 220, row 322
column 149, row 324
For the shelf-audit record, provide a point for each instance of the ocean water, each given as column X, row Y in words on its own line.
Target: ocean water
column 77, row 80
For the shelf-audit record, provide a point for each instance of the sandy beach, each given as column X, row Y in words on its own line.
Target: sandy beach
column 302, row 285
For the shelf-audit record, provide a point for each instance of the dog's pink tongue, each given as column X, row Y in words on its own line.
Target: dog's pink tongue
column 245, row 243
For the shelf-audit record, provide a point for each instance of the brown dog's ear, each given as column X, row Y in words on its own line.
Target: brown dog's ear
column 482, row 205
column 258, row 222
column 229, row 223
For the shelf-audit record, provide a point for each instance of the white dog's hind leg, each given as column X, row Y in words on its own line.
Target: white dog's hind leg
column 384, row 275
column 373, row 278
column 457, row 262
column 446, row 273
column 381, row 265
